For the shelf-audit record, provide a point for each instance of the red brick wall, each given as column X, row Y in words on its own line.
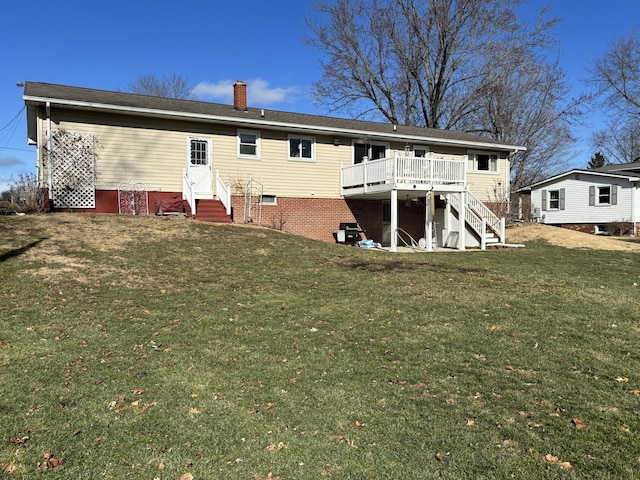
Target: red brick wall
column 317, row 218
column 107, row 202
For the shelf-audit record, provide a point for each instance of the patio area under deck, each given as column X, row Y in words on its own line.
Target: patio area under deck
column 410, row 177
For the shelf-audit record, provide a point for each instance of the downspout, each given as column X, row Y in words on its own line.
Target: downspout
column 633, row 209
column 49, row 170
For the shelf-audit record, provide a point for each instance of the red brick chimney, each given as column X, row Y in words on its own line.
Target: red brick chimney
column 240, row 95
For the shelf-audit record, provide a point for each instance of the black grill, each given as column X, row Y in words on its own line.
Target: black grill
column 348, row 233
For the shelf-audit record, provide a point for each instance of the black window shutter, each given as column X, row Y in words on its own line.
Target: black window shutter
column 592, row 195
column 561, row 202
column 544, row 200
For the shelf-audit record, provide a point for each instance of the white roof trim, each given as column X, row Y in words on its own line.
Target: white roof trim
column 277, row 125
column 579, row 172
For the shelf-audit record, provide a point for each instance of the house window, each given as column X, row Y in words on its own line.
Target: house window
column 248, row 144
column 604, row 195
column 268, row 200
column 553, row 199
column 483, row 162
column 301, row 148
column 373, row 151
column 420, row 151
column 199, row 151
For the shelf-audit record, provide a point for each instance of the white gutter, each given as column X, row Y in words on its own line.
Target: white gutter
column 278, row 125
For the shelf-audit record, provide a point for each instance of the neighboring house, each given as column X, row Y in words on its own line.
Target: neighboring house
column 588, row 200
column 112, row 152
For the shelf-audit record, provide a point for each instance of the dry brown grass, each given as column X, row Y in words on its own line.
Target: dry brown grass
column 568, row 238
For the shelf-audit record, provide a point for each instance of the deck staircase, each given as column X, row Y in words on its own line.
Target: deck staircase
column 483, row 223
column 211, row 211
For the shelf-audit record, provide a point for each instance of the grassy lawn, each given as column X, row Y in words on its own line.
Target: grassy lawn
column 167, row 348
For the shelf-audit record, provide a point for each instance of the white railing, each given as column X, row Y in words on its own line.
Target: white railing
column 188, row 192
column 400, row 170
column 223, row 192
column 478, row 216
column 493, row 222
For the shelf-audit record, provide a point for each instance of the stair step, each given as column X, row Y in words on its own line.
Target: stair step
column 212, row 211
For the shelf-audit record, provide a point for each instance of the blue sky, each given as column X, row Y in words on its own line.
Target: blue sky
column 106, row 45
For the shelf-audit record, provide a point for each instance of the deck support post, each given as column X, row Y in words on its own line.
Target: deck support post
column 428, row 221
column 394, row 220
column 462, row 223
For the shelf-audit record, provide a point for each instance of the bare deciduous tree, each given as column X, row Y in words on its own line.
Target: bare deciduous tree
column 616, row 77
column 167, row 86
column 468, row 65
column 620, row 141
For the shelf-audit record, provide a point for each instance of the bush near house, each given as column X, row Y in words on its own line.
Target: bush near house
column 620, row 229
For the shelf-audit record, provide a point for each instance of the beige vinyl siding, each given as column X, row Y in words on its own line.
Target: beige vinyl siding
column 278, row 174
column 134, row 151
column 484, row 184
column 155, row 151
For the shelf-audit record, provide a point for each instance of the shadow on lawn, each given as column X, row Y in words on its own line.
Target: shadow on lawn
column 19, row 251
column 399, row 266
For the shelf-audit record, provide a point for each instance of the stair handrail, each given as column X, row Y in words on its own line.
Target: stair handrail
column 223, row 192
column 479, row 217
column 188, row 193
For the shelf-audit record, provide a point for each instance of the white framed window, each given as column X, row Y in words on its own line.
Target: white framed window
column 483, row 161
column 198, row 151
column 420, row 151
column 248, row 144
column 268, row 200
column 553, row 199
column 371, row 150
column 603, row 195
column 302, row 148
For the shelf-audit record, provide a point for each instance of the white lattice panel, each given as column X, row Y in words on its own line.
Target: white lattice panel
column 73, row 173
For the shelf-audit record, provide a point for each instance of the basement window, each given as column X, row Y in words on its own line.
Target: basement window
column 268, row 200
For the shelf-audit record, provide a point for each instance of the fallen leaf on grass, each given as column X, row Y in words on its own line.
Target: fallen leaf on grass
column 137, row 391
column 160, row 466
column 194, row 410
column 556, row 461
column 358, row 424
column 622, row 379
column 186, row 476
column 8, row 469
column 268, row 477
column 438, row 457
column 579, row 423
column 634, row 392
column 19, row 441
column 624, row 428
column 469, row 421
column 50, row 462
column 276, row 448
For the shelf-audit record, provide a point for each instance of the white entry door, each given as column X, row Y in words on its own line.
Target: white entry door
column 200, row 173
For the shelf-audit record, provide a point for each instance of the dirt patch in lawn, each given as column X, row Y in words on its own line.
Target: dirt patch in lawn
column 569, row 238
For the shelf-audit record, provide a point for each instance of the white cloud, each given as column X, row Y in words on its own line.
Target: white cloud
column 258, row 92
